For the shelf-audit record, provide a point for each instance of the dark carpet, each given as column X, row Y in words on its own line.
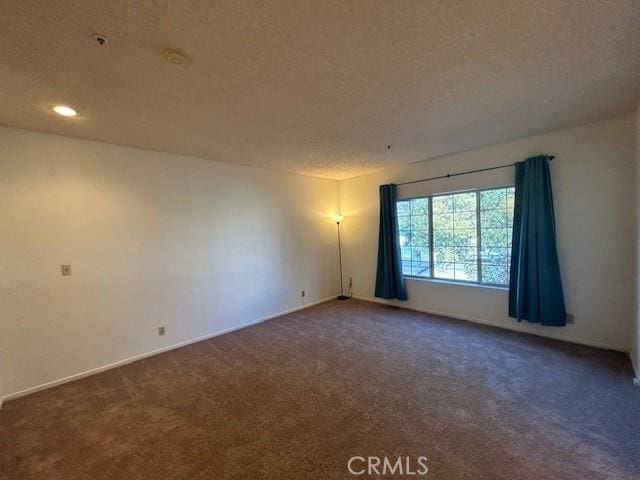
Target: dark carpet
column 296, row 397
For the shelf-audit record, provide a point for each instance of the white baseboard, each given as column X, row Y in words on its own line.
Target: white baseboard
column 482, row 321
column 119, row 363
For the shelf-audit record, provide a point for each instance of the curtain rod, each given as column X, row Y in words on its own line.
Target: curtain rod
column 448, row 175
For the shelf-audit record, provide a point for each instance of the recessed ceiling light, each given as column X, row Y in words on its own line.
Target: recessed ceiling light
column 65, row 111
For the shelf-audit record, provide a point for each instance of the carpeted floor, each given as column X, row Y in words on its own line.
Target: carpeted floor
column 296, row 397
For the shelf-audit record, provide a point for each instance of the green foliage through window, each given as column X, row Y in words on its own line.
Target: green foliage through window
column 462, row 236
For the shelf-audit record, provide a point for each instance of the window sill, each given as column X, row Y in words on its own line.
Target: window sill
column 457, row 283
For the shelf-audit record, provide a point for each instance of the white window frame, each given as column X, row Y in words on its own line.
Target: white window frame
column 431, row 277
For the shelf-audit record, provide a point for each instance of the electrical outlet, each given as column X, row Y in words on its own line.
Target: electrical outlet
column 350, row 282
column 65, row 269
column 161, row 330
column 571, row 318
column 303, row 294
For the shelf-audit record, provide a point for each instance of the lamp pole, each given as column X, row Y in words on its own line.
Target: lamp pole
column 342, row 295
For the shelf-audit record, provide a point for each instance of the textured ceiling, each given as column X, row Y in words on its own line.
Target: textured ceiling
column 317, row 87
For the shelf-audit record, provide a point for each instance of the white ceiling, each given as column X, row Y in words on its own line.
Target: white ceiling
column 317, row 87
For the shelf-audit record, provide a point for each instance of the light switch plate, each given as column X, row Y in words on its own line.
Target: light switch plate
column 65, row 269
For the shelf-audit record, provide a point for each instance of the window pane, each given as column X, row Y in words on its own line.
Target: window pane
column 498, row 275
column 443, row 255
column 464, row 220
column 444, row 270
column 421, row 269
column 419, row 222
column 464, row 237
column 455, row 236
column 496, row 220
column 420, row 238
column 405, row 237
column 465, row 202
column 511, row 192
column 493, row 199
column 403, row 207
column 496, row 237
column 495, row 255
column 465, row 255
column 442, row 238
column 413, row 223
column 406, row 267
column 466, row 271
column 442, row 221
column 420, row 254
column 510, row 218
column 442, row 204
column 420, row 206
column 404, row 222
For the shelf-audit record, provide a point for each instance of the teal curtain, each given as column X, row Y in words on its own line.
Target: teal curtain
column 535, row 287
column 389, row 279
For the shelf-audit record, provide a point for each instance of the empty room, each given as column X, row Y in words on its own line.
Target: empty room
column 352, row 239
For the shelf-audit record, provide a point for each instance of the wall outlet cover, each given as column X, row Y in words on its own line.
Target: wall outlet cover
column 303, row 294
column 160, row 330
column 65, row 269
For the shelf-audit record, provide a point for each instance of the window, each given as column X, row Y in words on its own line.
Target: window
column 463, row 236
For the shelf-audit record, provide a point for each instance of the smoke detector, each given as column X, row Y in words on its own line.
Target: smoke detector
column 175, row 56
column 100, row 39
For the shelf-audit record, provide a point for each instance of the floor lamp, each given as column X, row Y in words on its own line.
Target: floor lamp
column 338, row 218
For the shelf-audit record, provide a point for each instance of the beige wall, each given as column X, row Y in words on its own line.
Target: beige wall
column 593, row 189
column 153, row 239
column 203, row 247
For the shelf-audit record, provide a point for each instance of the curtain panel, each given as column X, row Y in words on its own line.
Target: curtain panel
column 389, row 279
column 535, row 287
